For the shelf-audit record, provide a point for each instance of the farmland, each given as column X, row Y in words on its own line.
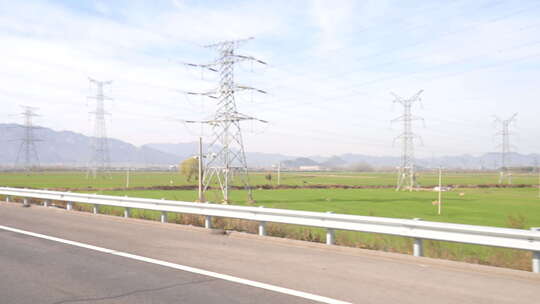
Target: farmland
column 149, row 179
column 475, row 205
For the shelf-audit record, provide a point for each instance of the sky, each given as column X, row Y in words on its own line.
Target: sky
column 332, row 67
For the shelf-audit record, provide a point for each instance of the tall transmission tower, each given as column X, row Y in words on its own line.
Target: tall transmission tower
column 505, row 146
column 99, row 154
column 27, row 149
column 226, row 156
column 406, row 172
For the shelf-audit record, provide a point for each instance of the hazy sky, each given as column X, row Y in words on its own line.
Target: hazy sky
column 331, row 68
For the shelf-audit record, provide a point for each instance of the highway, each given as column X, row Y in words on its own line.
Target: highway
column 40, row 271
column 47, row 268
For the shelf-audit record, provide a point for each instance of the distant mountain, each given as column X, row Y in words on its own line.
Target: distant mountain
column 334, row 162
column 185, row 150
column 73, row 149
column 374, row 161
column 299, row 162
column 265, row 160
column 349, row 160
column 490, row 160
column 70, row 148
column 180, row 150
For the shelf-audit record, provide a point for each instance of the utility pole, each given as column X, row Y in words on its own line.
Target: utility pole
column 279, row 173
column 505, row 147
column 127, row 176
column 406, row 172
column 226, row 153
column 100, row 159
column 538, row 173
column 28, row 141
column 440, row 190
column 201, row 195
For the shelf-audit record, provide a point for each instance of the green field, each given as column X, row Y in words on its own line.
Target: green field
column 488, row 207
column 477, row 206
column 148, row 179
column 500, row 207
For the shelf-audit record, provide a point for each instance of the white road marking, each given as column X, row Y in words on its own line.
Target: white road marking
column 270, row 287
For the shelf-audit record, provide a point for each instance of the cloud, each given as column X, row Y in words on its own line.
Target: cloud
column 331, row 69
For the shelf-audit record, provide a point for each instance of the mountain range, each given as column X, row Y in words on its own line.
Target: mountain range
column 72, row 149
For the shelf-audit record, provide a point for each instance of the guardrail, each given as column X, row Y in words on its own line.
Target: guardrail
column 417, row 229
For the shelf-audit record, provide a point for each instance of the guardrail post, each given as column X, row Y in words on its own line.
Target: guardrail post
column 536, row 256
column 262, row 228
column 25, row 202
column 127, row 212
column 69, row 206
column 418, row 246
column 330, row 236
column 45, row 203
column 8, row 199
column 95, row 209
column 163, row 218
column 207, row 222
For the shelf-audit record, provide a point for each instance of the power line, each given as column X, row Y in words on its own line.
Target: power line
column 226, row 151
column 399, row 22
column 100, row 158
column 505, row 147
column 430, row 39
column 28, row 141
column 406, row 174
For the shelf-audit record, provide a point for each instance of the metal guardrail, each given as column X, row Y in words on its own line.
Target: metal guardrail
column 417, row 229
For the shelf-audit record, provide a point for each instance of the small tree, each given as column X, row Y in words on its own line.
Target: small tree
column 189, row 168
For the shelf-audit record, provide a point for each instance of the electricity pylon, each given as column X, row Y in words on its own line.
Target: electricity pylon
column 99, row 154
column 28, row 141
column 226, row 154
column 505, row 147
column 406, row 172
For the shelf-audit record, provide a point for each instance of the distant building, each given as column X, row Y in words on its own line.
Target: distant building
column 309, row 168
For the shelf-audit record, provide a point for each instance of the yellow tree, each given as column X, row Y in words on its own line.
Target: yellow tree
column 189, row 168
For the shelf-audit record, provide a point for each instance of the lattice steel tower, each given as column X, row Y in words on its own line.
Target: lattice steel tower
column 226, row 156
column 99, row 154
column 28, row 141
column 406, row 172
column 505, row 147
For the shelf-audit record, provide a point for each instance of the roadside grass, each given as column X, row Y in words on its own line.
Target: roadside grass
column 512, row 208
column 501, row 257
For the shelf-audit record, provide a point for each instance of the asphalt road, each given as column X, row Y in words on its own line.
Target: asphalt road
column 41, row 271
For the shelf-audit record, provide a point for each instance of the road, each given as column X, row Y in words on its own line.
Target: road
column 41, row 271
column 37, row 270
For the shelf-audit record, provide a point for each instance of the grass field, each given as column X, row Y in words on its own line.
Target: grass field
column 489, row 207
column 499, row 207
column 480, row 206
column 147, row 179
